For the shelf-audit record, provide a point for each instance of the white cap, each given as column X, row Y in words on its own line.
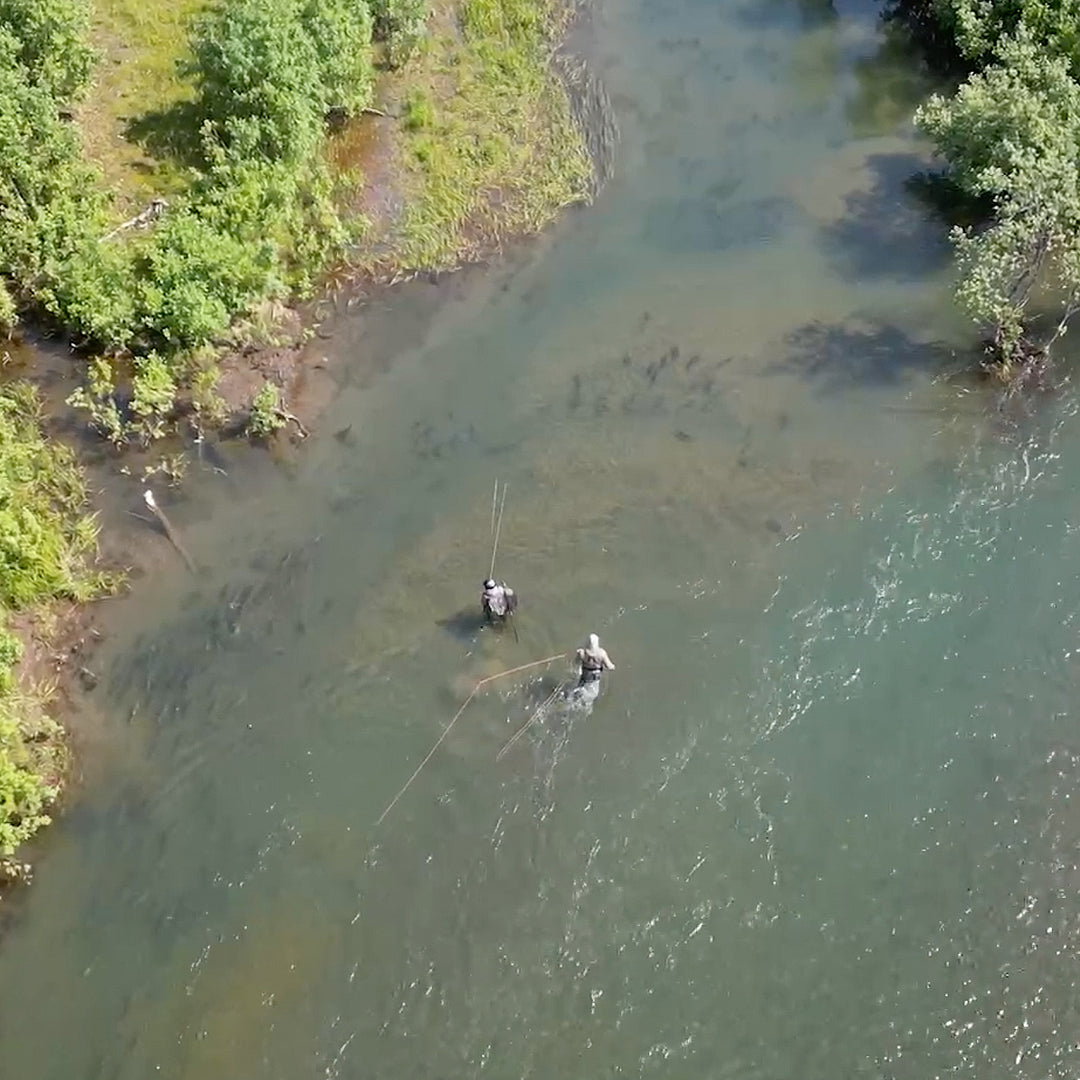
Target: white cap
column 594, row 641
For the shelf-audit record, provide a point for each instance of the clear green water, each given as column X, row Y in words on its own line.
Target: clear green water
column 819, row 825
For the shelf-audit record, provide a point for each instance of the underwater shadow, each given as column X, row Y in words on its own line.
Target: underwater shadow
column 885, row 231
column 463, row 625
column 708, row 223
column 889, row 84
column 805, row 14
column 840, row 356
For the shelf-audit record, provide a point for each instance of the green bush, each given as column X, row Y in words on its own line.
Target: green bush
column 52, row 43
column 1012, row 133
column 92, row 293
column 8, row 312
column 50, row 208
column 265, row 416
column 45, row 542
column 341, row 31
column 192, row 277
column 400, row 25
column 43, row 533
column 979, row 27
column 10, row 654
column 24, row 792
column 257, row 72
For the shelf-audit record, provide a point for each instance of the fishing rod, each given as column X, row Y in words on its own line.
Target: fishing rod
column 496, row 527
column 446, row 731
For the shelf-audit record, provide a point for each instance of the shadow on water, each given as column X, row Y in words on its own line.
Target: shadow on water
column 840, row 356
column 890, row 84
column 703, row 225
column 807, row 14
column 463, row 625
column 940, row 196
column 883, row 231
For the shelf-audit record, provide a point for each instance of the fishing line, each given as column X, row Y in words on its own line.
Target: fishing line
column 528, row 723
column 446, row 731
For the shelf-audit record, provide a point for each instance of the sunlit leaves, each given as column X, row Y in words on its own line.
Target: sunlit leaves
column 1012, row 133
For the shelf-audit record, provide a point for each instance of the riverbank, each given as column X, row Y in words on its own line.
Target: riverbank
column 465, row 145
column 47, row 541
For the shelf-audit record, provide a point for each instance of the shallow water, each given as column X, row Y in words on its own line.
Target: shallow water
column 819, row 822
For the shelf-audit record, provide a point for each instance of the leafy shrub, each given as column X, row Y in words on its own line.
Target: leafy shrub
column 51, row 36
column 1012, row 132
column 98, row 398
column 10, row 654
column 192, row 277
column 980, row 26
column 24, row 792
column 257, row 72
column 400, row 25
column 49, row 206
column 43, row 533
column 341, row 31
column 265, row 416
column 91, row 292
column 419, row 110
column 8, row 314
column 153, row 391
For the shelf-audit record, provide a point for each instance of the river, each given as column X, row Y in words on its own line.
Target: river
column 820, row 823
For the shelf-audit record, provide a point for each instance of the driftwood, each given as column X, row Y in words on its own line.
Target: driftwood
column 289, row 417
column 170, row 532
column 144, row 217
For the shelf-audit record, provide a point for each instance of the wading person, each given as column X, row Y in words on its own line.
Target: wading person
column 593, row 661
column 498, row 601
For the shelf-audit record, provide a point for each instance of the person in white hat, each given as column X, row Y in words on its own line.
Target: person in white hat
column 593, row 661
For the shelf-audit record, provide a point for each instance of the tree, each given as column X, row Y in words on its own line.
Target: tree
column 1012, row 134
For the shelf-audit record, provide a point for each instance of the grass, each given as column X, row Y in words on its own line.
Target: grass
column 489, row 149
column 47, row 543
column 129, row 116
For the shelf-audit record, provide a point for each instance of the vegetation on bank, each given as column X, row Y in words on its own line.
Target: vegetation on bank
column 1010, row 135
column 47, row 542
column 234, row 142
column 491, row 149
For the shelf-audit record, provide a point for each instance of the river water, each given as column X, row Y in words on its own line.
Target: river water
column 820, row 823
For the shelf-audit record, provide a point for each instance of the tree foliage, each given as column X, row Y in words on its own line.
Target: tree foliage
column 1013, row 133
column 258, row 218
column 52, row 47
column 1011, row 137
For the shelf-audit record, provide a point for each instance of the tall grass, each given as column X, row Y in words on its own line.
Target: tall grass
column 496, row 152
